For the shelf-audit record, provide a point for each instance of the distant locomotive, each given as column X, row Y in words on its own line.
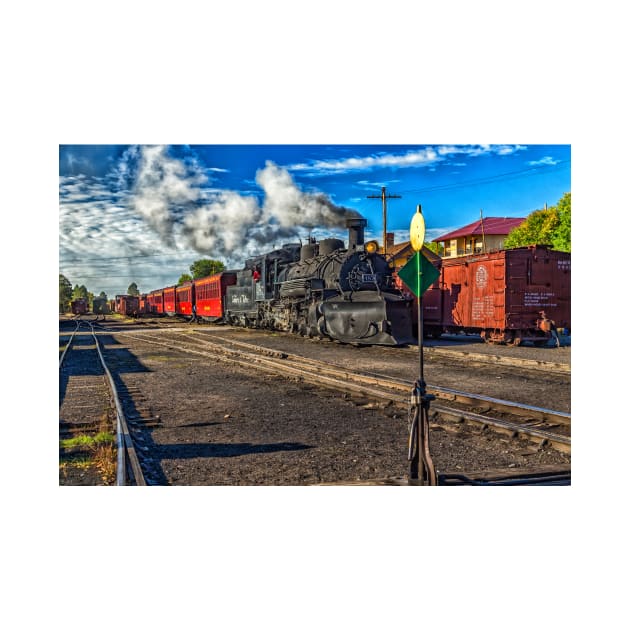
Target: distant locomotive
column 100, row 306
column 323, row 289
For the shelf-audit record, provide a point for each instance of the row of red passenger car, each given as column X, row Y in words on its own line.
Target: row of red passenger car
column 203, row 297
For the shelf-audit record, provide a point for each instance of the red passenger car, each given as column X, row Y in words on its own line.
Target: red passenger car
column 169, row 301
column 210, row 294
column 184, row 299
column 155, row 302
column 143, row 305
column 508, row 296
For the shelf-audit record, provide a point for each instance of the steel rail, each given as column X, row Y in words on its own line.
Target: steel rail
column 446, row 393
column 378, row 388
column 65, row 350
column 481, row 357
column 126, row 450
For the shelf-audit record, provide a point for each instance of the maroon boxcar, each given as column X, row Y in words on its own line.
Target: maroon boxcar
column 184, row 298
column 508, row 296
column 127, row 305
column 169, row 301
column 210, row 294
column 155, row 302
column 431, row 302
column 79, row 306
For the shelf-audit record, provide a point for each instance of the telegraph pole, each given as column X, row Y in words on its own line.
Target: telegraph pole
column 384, row 198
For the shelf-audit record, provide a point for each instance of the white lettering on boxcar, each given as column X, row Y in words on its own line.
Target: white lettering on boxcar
column 481, row 277
column 545, row 299
column 482, row 307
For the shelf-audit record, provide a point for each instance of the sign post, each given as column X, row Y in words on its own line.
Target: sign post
column 419, row 274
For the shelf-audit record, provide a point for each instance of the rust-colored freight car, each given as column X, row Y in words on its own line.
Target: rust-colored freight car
column 210, row 294
column 508, row 296
column 128, row 305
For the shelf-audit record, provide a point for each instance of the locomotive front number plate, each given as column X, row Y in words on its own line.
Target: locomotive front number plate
column 369, row 277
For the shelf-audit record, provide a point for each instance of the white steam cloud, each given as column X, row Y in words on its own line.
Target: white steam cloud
column 169, row 196
column 163, row 184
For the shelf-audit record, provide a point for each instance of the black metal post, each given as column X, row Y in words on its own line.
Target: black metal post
column 421, row 469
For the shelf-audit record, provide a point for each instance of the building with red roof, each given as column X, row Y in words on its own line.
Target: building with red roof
column 483, row 235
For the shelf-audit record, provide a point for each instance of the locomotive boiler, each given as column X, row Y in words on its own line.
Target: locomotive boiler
column 323, row 289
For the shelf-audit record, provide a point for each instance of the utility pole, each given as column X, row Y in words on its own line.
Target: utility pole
column 384, row 198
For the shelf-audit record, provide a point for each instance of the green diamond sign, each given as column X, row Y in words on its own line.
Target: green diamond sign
column 418, row 274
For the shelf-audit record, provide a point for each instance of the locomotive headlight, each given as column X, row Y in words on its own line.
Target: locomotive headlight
column 371, row 247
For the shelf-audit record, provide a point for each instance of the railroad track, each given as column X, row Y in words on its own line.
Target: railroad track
column 555, row 367
column 498, row 360
column 542, row 426
column 92, row 424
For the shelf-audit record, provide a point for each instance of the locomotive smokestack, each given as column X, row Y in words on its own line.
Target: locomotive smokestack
column 356, row 229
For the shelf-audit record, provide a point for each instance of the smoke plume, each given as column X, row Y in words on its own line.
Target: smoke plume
column 291, row 207
column 170, row 196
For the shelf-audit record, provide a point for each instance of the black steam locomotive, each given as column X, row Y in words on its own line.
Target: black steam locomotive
column 323, row 290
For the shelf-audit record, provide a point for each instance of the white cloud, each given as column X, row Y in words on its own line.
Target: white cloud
column 546, row 161
column 426, row 157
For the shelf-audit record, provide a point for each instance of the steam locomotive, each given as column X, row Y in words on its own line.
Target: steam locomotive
column 323, row 289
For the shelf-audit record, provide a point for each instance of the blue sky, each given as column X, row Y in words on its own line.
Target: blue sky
column 144, row 213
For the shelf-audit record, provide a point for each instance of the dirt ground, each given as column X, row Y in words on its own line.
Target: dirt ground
column 222, row 425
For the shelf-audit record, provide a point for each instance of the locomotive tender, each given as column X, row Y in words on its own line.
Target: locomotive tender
column 323, row 290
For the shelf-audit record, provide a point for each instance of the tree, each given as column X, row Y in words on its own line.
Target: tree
column 65, row 293
column 549, row 226
column 132, row 289
column 79, row 292
column 185, row 277
column 436, row 248
column 206, row 267
column 562, row 236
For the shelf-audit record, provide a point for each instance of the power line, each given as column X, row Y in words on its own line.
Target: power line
column 128, row 256
column 536, row 170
